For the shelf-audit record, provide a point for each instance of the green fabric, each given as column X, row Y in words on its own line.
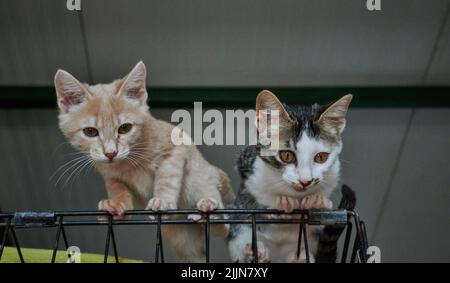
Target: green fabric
column 10, row 255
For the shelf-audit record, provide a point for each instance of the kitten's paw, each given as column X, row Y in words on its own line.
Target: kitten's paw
column 301, row 259
column 298, row 260
column 263, row 253
column 287, row 204
column 317, row 201
column 114, row 207
column 159, row 204
column 208, row 204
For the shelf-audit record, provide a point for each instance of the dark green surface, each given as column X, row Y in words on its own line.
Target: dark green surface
column 238, row 97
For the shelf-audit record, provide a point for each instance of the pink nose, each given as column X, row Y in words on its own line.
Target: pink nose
column 306, row 183
column 111, row 155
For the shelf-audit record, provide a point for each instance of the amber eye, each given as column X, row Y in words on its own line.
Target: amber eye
column 125, row 128
column 287, row 156
column 321, row 157
column 90, row 132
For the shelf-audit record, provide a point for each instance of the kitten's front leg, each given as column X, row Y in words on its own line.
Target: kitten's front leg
column 168, row 180
column 317, row 201
column 119, row 199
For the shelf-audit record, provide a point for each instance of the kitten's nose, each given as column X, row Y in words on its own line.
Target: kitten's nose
column 306, row 183
column 111, row 155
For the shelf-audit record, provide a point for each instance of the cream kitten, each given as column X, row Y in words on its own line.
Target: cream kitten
column 133, row 151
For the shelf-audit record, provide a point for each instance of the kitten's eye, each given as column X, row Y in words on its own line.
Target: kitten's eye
column 287, row 156
column 125, row 128
column 321, row 157
column 90, row 132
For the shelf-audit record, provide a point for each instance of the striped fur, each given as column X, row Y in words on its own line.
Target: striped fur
column 328, row 239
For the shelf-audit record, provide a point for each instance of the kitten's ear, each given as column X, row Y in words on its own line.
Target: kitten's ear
column 69, row 91
column 133, row 86
column 267, row 101
column 333, row 118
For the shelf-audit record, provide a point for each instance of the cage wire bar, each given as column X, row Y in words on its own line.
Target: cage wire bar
column 253, row 217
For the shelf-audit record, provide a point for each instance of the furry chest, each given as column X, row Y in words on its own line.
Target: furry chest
column 282, row 240
column 142, row 184
column 280, row 233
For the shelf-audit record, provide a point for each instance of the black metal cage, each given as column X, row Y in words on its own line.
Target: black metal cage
column 60, row 220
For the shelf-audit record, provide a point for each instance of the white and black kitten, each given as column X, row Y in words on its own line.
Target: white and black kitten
column 301, row 175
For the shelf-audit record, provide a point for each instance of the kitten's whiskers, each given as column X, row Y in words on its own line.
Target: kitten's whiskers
column 66, row 164
column 78, row 170
column 80, row 160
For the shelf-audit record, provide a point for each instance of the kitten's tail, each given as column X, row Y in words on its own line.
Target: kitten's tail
column 328, row 239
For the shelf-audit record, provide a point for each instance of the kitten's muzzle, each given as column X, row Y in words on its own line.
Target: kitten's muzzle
column 306, row 183
column 298, row 187
column 111, row 155
column 301, row 186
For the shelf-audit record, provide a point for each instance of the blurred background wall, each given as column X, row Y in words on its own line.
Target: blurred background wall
column 396, row 156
